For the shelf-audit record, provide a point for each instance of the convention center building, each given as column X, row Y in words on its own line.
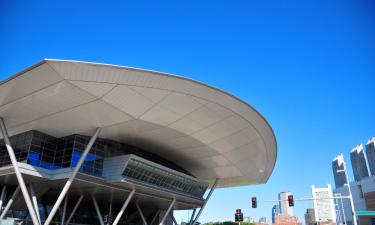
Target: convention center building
column 89, row 143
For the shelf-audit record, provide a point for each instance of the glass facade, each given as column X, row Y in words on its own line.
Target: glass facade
column 359, row 165
column 45, row 151
column 154, row 176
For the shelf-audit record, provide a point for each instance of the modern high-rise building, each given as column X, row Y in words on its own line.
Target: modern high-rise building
column 324, row 206
column 310, row 217
column 263, row 220
column 359, row 164
column 87, row 143
column 370, row 152
column 285, row 209
column 339, row 177
column 275, row 212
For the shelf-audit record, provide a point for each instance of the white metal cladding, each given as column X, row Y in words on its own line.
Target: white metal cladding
column 208, row 132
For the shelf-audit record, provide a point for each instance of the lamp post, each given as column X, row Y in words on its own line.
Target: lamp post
column 350, row 192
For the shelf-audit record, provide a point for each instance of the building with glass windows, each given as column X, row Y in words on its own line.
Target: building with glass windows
column 359, row 164
column 370, row 152
column 284, row 207
column 88, row 143
column 337, row 166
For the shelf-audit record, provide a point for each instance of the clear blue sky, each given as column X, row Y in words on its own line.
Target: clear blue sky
column 307, row 66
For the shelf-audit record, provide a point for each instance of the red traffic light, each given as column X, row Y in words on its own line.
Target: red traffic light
column 254, row 202
column 238, row 211
column 290, row 200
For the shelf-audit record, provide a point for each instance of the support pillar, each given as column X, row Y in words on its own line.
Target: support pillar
column 35, row 202
column 205, row 202
column 167, row 212
column 20, row 180
column 174, row 219
column 64, row 210
column 97, row 209
column 155, row 216
column 141, row 214
column 10, row 202
column 2, row 197
column 74, row 210
column 122, row 210
column 192, row 216
column 71, row 179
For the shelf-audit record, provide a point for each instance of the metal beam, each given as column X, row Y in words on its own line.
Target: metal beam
column 141, row 214
column 155, row 216
column 192, row 216
column 205, row 202
column 74, row 210
column 167, row 212
column 71, row 179
column 35, row 202
column 64, row 210
column 20, row 180
column 122, row 210
column 10, row 202
column 97, row 209
column 2, row 198
column 174, row 219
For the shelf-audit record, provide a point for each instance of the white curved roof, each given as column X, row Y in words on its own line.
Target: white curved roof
column 208, row 132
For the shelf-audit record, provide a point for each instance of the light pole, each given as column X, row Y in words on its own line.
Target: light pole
column 350, row 192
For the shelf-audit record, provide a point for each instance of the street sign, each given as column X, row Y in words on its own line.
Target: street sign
column 365, row 213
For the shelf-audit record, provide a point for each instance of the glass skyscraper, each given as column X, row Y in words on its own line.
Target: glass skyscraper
column 338, row 164
column 275, row 212
column 359, row 165
column 370, row 152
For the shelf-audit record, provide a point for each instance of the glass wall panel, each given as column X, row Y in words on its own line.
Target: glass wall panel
column 151, row 175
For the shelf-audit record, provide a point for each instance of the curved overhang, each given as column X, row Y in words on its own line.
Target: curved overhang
column 207, row 131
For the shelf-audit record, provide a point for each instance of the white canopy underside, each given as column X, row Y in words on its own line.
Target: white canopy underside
column 204, row 130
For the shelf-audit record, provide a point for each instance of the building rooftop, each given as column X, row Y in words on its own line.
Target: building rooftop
column 206, row 131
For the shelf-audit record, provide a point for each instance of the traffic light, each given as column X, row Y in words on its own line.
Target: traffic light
column 254, row 202
column 238, row 217
column 290, row 200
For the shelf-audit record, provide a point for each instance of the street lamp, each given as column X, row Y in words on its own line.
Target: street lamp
column 350, row 192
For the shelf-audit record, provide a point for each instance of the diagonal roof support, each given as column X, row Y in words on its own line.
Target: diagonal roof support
column 205, row 202
column 2, row 198
column 35, row 201
column 20, row 179
column 97, row 209
column 10, row 202
column 167, row 212
column 155, row 216
column 141, row 214
column 71, row 179
column 74, row 210
column 174, row 219
column 192, row 216
column 64, row 210
column 123, row 208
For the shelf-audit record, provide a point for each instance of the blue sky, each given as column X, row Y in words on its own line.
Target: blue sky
column 307, row 66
